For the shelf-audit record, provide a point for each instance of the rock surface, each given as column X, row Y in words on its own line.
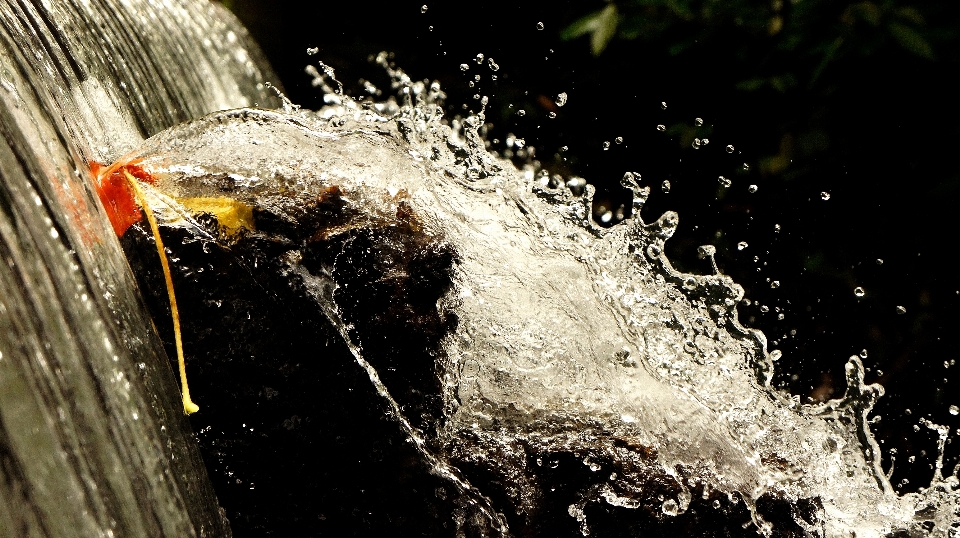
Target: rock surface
column 413, row 335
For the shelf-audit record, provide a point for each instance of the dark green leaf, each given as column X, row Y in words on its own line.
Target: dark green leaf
column 828, row 55
column 584, row 25
column 782, row 83
column 681, row 8
column 752, row 84
column 911, row 40
column 867, row 11
column 681, row 46
column 911, row 14
column 606, row 28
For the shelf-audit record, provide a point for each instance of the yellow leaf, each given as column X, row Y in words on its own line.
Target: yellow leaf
column 232, row 215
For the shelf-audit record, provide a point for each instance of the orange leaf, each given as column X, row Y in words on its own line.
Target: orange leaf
column 115, row 194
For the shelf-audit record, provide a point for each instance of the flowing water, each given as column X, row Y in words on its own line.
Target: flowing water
column 565, row 328
column 90, row 442
column 568, row 334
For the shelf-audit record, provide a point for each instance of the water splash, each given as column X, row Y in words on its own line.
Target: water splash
column 572, row 337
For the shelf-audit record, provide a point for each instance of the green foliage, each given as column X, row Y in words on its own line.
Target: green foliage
column 826, row 30
column 601, row 25
column 910, row 39
column 802, row 51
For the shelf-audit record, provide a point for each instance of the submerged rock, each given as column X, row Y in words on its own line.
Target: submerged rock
column 409, row 334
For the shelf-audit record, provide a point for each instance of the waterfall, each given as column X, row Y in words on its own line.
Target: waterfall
column 90, row 442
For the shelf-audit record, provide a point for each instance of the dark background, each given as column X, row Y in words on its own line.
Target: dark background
column 854, row 99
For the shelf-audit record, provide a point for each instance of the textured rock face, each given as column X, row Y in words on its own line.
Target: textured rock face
column 408, row 334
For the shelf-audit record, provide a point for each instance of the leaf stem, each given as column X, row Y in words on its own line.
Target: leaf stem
column 188, row 406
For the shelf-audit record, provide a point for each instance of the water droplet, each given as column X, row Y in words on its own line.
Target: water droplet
column 858, row 291
column 661, row 127
column 480, row 58
column 776, row 228
column 752, row 189
column 764, row 309
column 464, row 67
column 901, row 310
column 561, row 99
column 618, row 140
column 695, row 144
column 879, row 261
column 539, row 26
column 551, row 115
column 606, row 145
column 670, row 507
column 724, row 182
column 663, row 105
column 824, row 195
column 521, row 112
column 705, row 141
column 591, row 464
column 665, row 186
column 741, row 245
column 863, row 353
column 745, row 167
column 423, row 8
column 492, row 65
column 698, row 122
column 775, row 284
column 312, row 50
column 730, row 148
column 954, row 410
column 775, row 355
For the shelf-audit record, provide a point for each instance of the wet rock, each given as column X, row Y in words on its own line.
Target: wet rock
column 394, row 344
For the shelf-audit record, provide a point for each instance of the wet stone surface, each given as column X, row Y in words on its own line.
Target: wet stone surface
column 394, row 343
column 296, row 438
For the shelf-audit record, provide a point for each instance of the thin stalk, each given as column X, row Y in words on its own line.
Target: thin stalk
column 188, row 406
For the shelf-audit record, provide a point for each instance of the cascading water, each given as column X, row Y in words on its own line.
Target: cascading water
column 90, row 442
column 452, row 321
